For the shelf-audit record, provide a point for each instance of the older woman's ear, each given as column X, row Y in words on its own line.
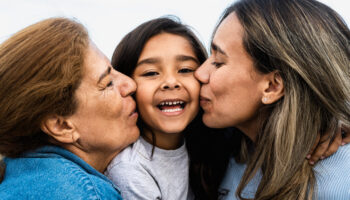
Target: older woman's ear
column 273, row 88
column 60, row 129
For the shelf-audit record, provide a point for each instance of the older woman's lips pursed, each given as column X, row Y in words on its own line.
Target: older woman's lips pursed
column 133, row 114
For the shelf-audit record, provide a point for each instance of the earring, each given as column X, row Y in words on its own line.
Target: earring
column 264, row 99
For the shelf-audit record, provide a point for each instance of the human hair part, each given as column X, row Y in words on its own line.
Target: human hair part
column 41, row 66
column 307, row 43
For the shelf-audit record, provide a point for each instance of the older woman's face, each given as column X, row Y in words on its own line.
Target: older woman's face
column 231, row 87
column 106, row 117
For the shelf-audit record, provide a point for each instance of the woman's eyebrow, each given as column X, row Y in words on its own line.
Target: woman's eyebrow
column 216, row 48
column 104, row 74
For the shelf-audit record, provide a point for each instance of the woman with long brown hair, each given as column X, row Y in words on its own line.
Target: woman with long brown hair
column 279, row 74
column 65, row 113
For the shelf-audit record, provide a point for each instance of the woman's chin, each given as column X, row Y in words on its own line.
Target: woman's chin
column 212, row 122
column 134, row 134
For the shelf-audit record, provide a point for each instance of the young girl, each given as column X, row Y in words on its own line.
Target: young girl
column 161, row 55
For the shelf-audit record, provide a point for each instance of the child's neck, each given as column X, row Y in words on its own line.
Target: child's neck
column 167, row 141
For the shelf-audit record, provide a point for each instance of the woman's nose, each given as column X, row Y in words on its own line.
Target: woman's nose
column 127, row 86
column 202, row 73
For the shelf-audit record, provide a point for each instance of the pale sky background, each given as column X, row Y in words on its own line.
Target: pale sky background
column 109, row 20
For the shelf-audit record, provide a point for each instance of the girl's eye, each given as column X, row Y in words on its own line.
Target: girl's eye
column 186, row 70
column 150, row 74
column 110, row 84
column 217, row 64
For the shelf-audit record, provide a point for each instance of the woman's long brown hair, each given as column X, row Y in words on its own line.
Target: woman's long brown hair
column 308, row 44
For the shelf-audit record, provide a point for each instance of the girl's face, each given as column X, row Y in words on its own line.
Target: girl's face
column 167, row 92
column 232, row 88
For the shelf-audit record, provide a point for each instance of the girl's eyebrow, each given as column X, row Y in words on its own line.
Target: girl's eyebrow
column 149, row 61
column 178, row 58
column 187, row 58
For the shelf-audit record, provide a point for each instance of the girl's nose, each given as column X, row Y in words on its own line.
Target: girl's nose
column 170, row 83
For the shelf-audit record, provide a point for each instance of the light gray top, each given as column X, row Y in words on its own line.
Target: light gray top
column 139, row 176
column 332, row 178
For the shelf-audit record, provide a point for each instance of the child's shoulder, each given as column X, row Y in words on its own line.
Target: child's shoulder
column 129, row 168
column 131, row 155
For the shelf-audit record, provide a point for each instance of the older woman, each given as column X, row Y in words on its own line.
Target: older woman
column 279, row 73
column 65, row 113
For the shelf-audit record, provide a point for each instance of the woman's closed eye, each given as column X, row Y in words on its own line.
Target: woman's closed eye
column 104, row 86
column 110, row 84
column 217, row 64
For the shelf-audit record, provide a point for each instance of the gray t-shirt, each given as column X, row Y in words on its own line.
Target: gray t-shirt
column 140, row 176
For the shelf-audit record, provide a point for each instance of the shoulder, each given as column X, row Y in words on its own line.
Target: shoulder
column 133, row 153
column 53, row 178
column 133, row 180
column 136, row 156
column 234, row 169
column 125, row 170
column 129, row 166
column 232, row 179
column 335, row 163
column 333, row 175
column 89, row 185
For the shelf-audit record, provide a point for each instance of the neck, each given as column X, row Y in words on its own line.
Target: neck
column 253, row 127
column 167, row 141
column 97, row 160
column 250, row 129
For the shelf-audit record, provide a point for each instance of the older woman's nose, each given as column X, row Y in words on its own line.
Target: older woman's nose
column 127, row 85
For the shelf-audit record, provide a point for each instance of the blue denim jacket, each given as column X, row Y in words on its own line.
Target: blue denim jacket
column 54, row 173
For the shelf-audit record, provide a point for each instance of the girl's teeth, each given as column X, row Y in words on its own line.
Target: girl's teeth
column 171, row 103
column 172, row 110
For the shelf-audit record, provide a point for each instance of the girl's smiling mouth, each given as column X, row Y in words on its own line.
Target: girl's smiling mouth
column 171, row 107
